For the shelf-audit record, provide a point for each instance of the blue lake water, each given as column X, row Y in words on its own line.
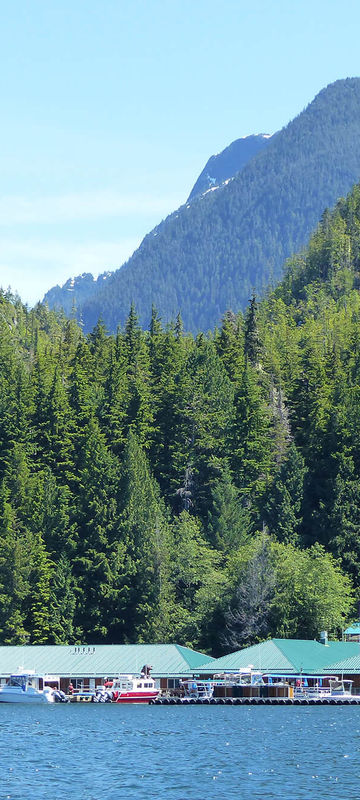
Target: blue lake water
column 110, row 752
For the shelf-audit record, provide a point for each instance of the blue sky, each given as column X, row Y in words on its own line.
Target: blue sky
column 111, row 109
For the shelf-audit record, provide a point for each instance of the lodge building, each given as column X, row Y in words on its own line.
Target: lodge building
column 88, row 666
column 284, row 658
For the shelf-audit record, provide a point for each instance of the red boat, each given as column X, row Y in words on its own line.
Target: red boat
column 131, row 688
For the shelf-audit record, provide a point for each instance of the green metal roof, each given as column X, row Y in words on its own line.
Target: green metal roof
column 286, row 656
column 350, row 665
column 353, row 630
column 192, row 657
column 265, row 656
column 312, row 656
column 100, row 660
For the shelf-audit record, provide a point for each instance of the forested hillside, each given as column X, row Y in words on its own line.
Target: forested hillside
column 209, row 255
column 160, row 487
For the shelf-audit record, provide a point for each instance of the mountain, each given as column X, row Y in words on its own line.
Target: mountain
column 75, row 291
column 208, row 255
column 226, row 164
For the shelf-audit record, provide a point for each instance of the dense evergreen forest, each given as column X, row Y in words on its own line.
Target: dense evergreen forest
column 208, row 255
column 159, row 487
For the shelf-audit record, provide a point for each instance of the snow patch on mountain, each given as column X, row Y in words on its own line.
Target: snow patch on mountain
column 225, row 165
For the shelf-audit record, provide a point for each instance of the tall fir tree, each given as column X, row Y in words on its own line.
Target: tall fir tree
column 284, row 498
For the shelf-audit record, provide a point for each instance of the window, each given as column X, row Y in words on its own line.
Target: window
column 17, row 681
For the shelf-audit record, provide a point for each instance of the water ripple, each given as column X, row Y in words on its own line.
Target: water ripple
column 106, row 752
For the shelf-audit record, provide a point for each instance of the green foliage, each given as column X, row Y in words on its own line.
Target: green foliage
column 229, row 522
column 250, row 435
column 197, row 581
column 282, row 508
column 312, row 593
column 283, row 591
column 15, row 570
column 137, row 470
column 40, row 621
column 251, row 334
column 62, row 603
column 144, row 529
column 248, row 620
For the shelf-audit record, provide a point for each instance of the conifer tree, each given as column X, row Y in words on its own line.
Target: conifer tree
column 229, row 520
column 53, row 513
column 144, row 529
column 344, row 518
column 40, row 408
column 139, row 411
column 113, row 414
column 197, row 581
column 15, row 569
column 97, row 514
column 251, row 333
column 40, row 622
column 63, row 603
column 207, row 418
column 60, row 430
column 230, row 344
column 169, row 387
column 250, row 438
column 283, row 504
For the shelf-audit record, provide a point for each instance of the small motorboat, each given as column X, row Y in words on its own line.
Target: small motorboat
column 26, row 687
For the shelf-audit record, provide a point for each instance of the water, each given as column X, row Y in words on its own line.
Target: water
column 110, row 752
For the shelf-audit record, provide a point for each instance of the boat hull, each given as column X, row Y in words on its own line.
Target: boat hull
column 33, row 699
column 133, row 697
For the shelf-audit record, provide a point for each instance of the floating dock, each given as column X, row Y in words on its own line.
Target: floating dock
column 257, row 701
column 79, row 698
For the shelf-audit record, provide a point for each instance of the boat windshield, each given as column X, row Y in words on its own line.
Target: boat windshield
column 17, row 680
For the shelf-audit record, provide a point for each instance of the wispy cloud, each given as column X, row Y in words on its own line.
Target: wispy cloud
column 16, row 209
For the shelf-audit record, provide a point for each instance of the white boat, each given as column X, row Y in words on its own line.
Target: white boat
column 327, row 686
column 340, row 687
column 26, row 687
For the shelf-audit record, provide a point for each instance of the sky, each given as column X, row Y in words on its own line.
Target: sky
column 111, row 108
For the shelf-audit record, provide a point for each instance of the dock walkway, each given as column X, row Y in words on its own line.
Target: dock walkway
column 258, row 701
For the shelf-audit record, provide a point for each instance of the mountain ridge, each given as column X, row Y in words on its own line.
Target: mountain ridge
column 209, row 254
column 69, row 295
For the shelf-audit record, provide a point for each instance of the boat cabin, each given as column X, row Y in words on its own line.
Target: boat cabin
column 31, row 680
column 129, row 683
